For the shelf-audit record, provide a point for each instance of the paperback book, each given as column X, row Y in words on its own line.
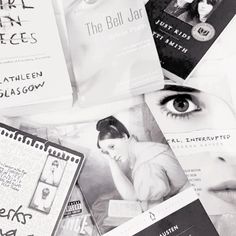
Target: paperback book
column 199, row 123
column 77, row 220
column 36, row 180
column 200, row 127
column 32, row 60
column 184, row 30
column 112, row 50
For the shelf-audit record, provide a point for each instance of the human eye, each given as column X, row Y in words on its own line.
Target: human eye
column 86, row 4
column 180, row 105
column 111, row 147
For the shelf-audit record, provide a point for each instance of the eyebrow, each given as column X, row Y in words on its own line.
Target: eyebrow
column 178, row 88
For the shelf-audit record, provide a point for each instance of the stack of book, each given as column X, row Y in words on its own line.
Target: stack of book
column 116, row 118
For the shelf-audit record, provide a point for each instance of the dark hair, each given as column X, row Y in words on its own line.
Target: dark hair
column 55, row 163
column 46, row 190
column 193, row 7
column 110, row 128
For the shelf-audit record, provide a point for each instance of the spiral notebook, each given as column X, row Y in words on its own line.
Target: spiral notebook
column 36, row 180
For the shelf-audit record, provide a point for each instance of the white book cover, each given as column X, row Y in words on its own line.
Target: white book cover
column 112, row 50
column 33, row 68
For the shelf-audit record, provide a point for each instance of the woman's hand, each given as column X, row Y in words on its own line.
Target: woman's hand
column 122, row 182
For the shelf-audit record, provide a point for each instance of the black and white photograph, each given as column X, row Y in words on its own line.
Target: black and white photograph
column 185, row 30
column 189, row 117
column 43, row 197
column 53, row 170
column 105, row 40
column 216, row 191
column 192, row 11
column 117, row 118
column 178, row 7
column 129, row 167
column 180, row 109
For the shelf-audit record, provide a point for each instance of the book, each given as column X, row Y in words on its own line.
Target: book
column 32, row 60
column 202, row 132
column 184, row 31
column 136, row 180
column 36, row 180
column 200, row 127
column 131, row 181
column 179, row 223
column 77, row 221
column 112, row 50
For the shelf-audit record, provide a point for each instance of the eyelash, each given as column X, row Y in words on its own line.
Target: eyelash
column 192, row 101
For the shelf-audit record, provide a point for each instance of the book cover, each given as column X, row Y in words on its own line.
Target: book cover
column 199, row 123
column 36, row 180
column 179, row 223
column 32, row 60
column 200, row 128
column 112, row 50
column 184, row 30
column 77, row 220
column 131, row 178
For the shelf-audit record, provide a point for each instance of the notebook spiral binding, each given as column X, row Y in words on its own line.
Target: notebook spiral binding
column 38, row 143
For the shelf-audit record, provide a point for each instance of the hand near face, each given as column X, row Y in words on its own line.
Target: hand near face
column 116, row 149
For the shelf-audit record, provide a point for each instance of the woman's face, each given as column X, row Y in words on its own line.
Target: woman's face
column 204, row 8
column 54, row 167
column 45, row 193
column 219, row 180
column 117, row 149
column 183, row 109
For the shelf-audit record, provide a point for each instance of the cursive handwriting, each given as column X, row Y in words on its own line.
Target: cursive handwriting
column 15, row 215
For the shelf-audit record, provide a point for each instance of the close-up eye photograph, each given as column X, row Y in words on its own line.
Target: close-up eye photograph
column 183, row 109
column 136, row 136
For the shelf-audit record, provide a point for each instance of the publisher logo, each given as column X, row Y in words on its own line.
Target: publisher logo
column 203, row 32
